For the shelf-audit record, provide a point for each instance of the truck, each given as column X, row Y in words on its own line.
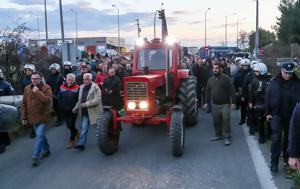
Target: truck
column 159, row 92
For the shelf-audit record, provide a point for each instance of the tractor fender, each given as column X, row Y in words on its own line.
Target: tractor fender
column 183, row 74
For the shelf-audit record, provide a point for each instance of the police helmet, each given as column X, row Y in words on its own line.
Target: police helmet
column 67, row 63
column 30, row 67
column 245, row 62
column 237, row 60
column 55, row 66
column 261, row 67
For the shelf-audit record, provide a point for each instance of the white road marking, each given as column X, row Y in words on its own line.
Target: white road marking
column 261, row 167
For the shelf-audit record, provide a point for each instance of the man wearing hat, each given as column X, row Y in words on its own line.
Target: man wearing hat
column 281, row 98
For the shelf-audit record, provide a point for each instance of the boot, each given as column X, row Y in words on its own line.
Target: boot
column 70, row 144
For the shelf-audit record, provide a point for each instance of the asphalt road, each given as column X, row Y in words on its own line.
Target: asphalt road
column 143, row 161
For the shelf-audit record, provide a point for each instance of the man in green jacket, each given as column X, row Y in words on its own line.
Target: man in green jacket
column 220, row 91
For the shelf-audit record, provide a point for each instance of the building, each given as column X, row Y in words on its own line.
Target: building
column 91, row 45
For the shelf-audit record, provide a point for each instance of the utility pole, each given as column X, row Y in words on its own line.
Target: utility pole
column 138, row 27
column 205, row 26
column 257, row 31
column 118, row 9
column 46, row 22
column 76, row 25
column 237, row 33
column 38, row 28
column 226, row 27
column 61, row 22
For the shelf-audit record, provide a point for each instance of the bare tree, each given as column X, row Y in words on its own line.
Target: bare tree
column 13, row 48
column 243, row 40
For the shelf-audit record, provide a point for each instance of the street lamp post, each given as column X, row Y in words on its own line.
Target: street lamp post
column 38, row 28
column 76, row 25
column 257, row 30
column 61, row 22
column 226, row 27
column 205, row 26
column 46, row 22
column 116, row 7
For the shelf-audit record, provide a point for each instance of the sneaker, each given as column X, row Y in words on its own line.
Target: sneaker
column 227, row 141
column 45, row 155
column 216, row 138
column 79, row 147
column 2, row 149
column 35, row 162
column 70, row 144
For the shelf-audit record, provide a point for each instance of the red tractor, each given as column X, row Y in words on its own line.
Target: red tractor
column 159, row 92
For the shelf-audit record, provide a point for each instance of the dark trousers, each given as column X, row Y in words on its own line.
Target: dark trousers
column 244, row 109
column 259, row 122
column 4, row 139
column 280, row 127
column 70, row 120
column 199, row 95
column 57, row 110
column 250, row 119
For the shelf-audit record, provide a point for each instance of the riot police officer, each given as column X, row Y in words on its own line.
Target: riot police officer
column 282, row 96
column 257, row 96
column 238, row 84
column 55, row 80
column 5, row 89
column 67, row 68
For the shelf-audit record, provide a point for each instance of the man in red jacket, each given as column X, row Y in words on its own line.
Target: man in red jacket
column 36, row 110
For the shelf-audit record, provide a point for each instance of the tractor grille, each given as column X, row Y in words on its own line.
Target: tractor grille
column 136, row 91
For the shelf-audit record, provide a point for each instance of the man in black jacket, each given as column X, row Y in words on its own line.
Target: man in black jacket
column 112, row 87
column 282, row 96
column 294, row 139
column 55, row 80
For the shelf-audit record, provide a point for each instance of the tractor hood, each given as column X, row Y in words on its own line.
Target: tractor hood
column 153, row 81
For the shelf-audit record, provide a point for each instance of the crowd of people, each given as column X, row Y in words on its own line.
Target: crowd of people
column 266, row 102
column 76, row 97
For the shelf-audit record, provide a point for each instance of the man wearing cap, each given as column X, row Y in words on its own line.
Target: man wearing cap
column 281, row 98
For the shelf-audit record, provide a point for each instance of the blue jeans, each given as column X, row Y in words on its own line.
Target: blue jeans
column 41, row 143
column 85, row 124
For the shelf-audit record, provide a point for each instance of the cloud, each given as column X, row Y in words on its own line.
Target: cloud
column 196, row 22
column 223, row 25
column 180, row 12
column 31, row 2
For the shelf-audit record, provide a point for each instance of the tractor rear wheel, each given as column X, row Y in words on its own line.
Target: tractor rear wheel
column 107, row 138
column 177, row 133
column 188, row 98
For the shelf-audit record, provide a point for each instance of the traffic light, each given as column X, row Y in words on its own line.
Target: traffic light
column 161, row 13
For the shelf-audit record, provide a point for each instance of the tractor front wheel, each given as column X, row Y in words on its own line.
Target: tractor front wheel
column 177, row 133
column 107, row 138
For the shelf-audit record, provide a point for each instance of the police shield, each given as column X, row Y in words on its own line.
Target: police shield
column 8, row 117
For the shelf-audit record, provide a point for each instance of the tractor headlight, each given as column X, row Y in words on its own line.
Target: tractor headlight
column 131, row 105
column 143, row 105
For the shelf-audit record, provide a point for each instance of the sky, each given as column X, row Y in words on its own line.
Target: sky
column 97, row 18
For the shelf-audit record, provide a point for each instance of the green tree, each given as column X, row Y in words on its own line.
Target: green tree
column 265, row 38
column 288, row 24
